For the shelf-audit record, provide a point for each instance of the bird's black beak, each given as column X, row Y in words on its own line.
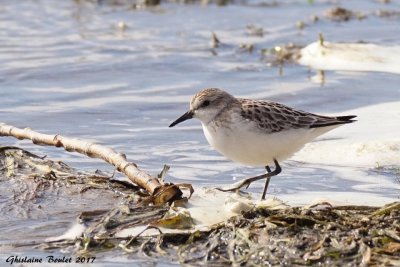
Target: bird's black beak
column 188, row 115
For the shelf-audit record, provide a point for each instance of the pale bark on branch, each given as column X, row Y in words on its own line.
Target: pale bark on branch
column 93, row 150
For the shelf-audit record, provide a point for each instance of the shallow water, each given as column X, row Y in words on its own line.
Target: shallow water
column 67, row 67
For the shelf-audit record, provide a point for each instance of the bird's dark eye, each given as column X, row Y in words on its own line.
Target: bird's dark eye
column 205, row 104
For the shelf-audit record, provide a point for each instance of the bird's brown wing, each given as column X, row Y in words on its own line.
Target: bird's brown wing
column 275, row 117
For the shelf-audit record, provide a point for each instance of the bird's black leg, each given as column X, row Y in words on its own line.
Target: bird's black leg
column 248, row 181
column 266, row 183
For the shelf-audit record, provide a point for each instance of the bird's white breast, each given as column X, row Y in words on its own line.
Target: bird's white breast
column 241, row 141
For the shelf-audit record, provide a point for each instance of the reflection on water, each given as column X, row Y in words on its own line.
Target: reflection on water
column 68, row 67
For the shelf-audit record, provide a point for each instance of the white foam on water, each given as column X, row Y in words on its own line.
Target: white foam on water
column 371, row 141
column 351, row 56
column 209, row 207
column 72, row 233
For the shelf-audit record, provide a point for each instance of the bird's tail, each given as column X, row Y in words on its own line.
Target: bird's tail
column 330, row 121
column 346, row 118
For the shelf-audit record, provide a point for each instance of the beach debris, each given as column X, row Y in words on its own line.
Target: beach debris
column 342, row 14
column 159, row 193
column 383, row 13
column 215, row 42
column 249, row 48
column 300, row 24
column 253, row 30
column 281, row 54
column 122, row 26
column 250, row 232
column 317, row 234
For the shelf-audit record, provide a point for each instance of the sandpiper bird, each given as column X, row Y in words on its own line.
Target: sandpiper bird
column 256, row 132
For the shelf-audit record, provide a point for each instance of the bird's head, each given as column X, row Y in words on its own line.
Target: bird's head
column 205, row 105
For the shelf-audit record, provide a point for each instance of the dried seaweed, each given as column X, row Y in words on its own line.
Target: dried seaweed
column 33, row 179
column 279, row 55
column 298, row 236
column 320, row 234
column 314, row 235
column 343, row 14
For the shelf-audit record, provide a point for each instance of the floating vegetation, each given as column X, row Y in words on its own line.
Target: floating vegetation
column 131, row 3
column 279, row 55
column 253, row 30
column 43, row 175
column 300, row 24
column 387, row 13
column 390, row 171
column 249, row 48
column 343, row 14
column 318, row 234
column 215, row 42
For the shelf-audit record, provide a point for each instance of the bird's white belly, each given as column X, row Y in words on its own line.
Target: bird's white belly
column 254, row 148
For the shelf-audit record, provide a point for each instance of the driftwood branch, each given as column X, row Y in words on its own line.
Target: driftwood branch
column 161, row 192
